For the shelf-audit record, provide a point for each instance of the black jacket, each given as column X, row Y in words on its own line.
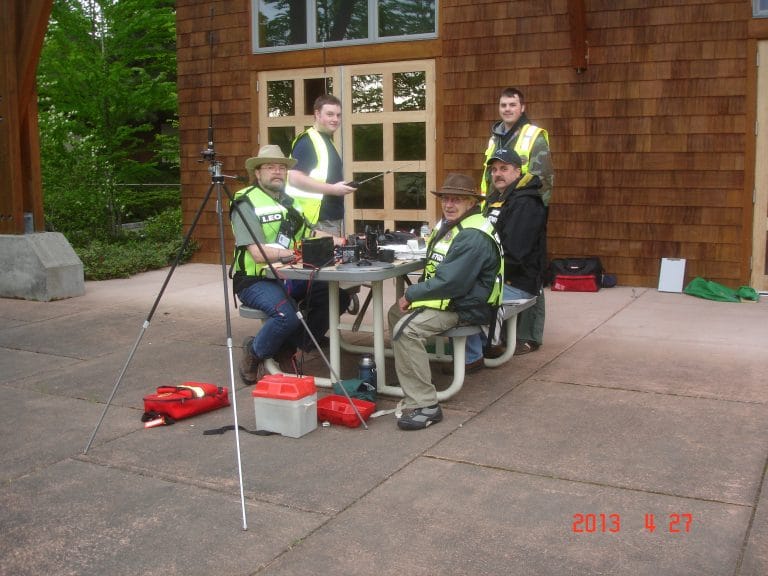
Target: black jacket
column 520, row 218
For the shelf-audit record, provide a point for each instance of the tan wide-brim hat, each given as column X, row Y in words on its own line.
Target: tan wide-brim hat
column 458, row 185
column 268, row 154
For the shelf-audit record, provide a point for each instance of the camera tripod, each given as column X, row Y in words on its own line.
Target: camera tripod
column 218, row 185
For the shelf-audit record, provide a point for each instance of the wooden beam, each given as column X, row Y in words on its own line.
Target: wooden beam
column 24, row 23
column 578, row 24
column 33, row 16
column 11, row 183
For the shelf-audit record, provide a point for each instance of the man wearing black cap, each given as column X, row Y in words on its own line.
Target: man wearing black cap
column 516, row 210
column 461, row 284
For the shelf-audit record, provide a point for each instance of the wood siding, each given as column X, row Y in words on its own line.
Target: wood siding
column 650, row 142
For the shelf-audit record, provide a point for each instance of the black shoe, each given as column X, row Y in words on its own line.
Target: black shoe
column 323, row 341
column 249, row 363
column 525, row 347
column 285, row 358
column 470, row 368
column 495, row 351
column 420, row 418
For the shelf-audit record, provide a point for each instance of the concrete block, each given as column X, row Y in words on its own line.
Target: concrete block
column 41, row 266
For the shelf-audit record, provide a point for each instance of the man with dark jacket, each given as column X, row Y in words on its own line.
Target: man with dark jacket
column 516, row 210
column 461, row 285
column 514, row 131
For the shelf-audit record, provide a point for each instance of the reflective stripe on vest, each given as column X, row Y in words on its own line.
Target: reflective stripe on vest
column 310, row 201
column 523, row 147
column 439, row 250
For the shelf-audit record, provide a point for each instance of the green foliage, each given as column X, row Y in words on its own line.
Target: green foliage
column 108, row 113
column 138, row 204
column 156, row 246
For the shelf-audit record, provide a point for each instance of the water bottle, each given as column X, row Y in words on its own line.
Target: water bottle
column 366, row 370
column 424, row 232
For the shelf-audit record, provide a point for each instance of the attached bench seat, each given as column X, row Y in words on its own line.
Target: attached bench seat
column 459, row 335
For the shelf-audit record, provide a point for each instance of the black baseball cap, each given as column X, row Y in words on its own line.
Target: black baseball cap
column 507, row 156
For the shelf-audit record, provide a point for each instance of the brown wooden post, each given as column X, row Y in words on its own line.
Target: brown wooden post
column 578, row 25
column 24, row 23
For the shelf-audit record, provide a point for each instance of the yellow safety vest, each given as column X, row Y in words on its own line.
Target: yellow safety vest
column 310, row 201
column 523, row 146
column 271, row 215
column 439, row 249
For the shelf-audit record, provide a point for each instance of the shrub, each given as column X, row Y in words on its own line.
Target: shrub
column 156, row 246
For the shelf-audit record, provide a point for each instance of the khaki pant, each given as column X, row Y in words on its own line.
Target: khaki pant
column 411, row 358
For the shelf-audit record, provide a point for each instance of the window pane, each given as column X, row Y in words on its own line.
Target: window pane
column 282, row 136
column 370, row 194
column 314, row 87
column 280, row 98
column 368, row 93
column 367, row 142
column 342, row 20
column 403, row 17
column 363, row 226
column 410, row 191
column 409, row 91
column 408, row 226
column 410, row 141
column 282, row 23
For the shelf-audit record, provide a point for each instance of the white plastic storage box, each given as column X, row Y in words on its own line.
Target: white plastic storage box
column 286, row 404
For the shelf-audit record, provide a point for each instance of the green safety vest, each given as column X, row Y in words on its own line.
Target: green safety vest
column 439, row 249
column 523, row 146
column 271, row 215
column 310, row 201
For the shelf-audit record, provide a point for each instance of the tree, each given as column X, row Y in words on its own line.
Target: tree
column 107, row 88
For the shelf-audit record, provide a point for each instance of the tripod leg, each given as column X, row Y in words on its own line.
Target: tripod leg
column 148, row 320
column 233, row 396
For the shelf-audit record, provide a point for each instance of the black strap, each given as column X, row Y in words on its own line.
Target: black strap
column 152, row 415
column 407, row 320
column 224, row 429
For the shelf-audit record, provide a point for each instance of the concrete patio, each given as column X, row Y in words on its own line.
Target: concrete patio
column 640, row 406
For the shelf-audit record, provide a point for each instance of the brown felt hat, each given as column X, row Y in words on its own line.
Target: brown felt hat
column 458, row 185
column 268, row 154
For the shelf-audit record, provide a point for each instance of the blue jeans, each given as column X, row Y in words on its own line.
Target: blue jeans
column 476, row 342
column 283, row 328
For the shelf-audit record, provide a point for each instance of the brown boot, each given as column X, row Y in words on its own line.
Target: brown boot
column 249, row 363
column 285, row 358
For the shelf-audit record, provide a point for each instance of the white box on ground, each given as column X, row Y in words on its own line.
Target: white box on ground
column 285, row 404
column 671, row 275
column 292, row 418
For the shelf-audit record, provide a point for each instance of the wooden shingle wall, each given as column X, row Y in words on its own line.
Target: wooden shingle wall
column 213, row 50
column 648, row 142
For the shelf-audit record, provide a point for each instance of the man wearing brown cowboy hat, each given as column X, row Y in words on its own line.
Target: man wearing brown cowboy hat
column 263, row 217
column 461, row 284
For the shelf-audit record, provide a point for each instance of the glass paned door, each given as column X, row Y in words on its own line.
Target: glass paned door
column 386, row 139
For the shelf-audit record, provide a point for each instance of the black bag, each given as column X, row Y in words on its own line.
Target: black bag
column 576, row 274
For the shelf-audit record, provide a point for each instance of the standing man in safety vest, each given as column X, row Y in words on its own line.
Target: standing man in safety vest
column 531, row 143
column 316, row 182
column 461, row 284
column 267, row 229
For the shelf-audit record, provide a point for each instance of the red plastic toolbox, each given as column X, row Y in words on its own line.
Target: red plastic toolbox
column 336, row 409
column 282, row 387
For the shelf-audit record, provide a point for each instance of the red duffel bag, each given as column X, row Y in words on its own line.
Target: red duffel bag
column 173, row 403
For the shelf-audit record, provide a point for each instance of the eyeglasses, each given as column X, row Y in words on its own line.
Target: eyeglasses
column 452, row 199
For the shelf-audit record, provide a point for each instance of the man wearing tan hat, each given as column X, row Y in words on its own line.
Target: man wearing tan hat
column 268, row 228
column 461, row 284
